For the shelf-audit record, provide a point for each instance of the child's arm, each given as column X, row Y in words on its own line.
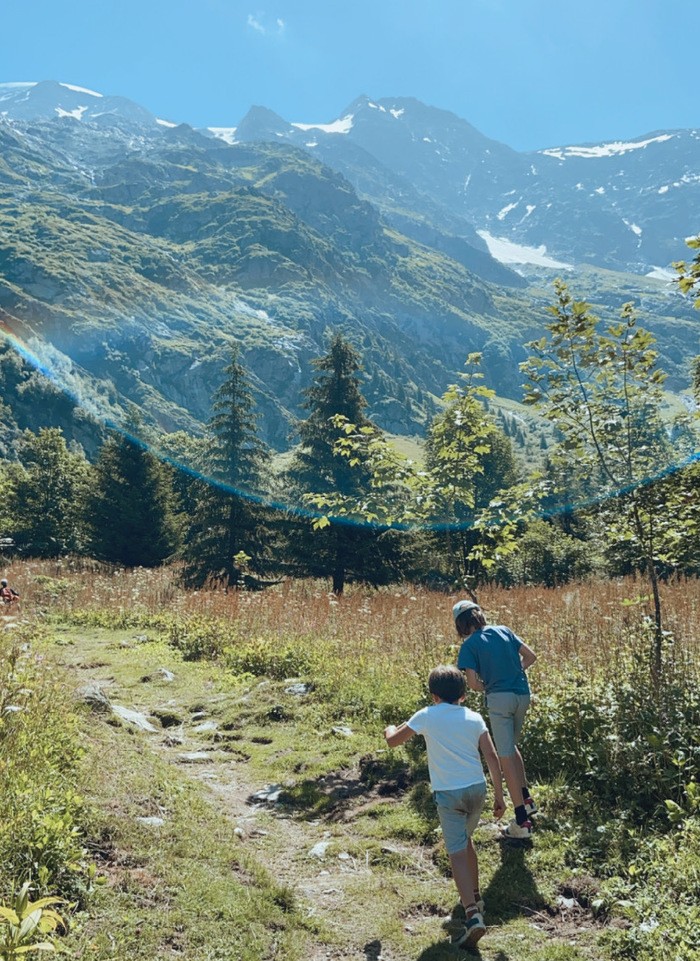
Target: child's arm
column 398, row 735
column 489, row 753
column 474, row 682
column 527, row 655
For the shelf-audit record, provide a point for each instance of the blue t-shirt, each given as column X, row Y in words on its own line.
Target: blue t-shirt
column 493, row 652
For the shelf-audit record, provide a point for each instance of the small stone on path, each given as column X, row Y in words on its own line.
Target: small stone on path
column 271, row 793
column 206, row 726
column 193, row 757
column 95, row 698
column 319, row 850
column 152, row 821
column 133, row 717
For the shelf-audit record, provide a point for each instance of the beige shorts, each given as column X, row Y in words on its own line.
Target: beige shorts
column 506, row 715
column 459, row 812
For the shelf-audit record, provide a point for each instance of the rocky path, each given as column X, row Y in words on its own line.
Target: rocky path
column 366, row 898
column 175, row 710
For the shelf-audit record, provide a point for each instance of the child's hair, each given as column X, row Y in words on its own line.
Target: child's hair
column 447, row 682
column 470, row 621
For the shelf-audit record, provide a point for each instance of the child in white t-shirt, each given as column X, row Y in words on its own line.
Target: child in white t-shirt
column 454, row 736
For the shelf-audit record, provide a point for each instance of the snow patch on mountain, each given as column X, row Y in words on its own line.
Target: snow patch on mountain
column 71, row 86
column 508, row 252
column 10, row 88
column 504, row 211
column 603, row 149
column 228, row 134
column 165, row 123
column 662, row 273
column 76, row 114
column 344, row 125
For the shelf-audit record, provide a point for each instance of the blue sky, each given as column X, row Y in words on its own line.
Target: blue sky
column 531, row 73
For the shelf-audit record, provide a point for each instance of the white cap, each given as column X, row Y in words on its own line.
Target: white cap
column 462, row 606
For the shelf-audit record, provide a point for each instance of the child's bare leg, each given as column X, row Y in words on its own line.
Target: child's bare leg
column 514, row 774
column 473, row 865
column 521, row 767
column 462, row 865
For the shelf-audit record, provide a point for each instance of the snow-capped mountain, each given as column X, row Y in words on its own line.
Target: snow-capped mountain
column 133, row 250
column 50, row 100
column 623, row 205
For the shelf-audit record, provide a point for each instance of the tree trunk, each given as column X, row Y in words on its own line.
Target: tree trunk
column 653, row 576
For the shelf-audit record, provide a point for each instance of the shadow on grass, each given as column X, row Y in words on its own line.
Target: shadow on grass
column 512, row 891
column 338, row 791
column 448, row 952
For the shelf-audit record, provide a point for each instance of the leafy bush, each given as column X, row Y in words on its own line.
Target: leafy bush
column 659, row 896
column 617, row 736
column 40, row 828
column 119, row 618
column 265, row 657
column 198, row 638
column 25, row 925
column 546, row 555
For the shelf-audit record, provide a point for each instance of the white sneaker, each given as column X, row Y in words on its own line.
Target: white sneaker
column 515, row 830
column 474, row 930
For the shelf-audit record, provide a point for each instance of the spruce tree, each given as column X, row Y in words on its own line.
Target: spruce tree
column 343, row 550
column 131, row 509
column 229, row 536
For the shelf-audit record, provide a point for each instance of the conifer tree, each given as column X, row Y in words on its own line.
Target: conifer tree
column 229, row 536
column 132, row 509
column 45, row 494
column 342, row 550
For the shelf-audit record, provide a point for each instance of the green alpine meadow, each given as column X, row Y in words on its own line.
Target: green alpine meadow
column 349, row 472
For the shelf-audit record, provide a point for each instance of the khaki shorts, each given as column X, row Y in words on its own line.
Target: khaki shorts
column 506, row 714
column 459, row 812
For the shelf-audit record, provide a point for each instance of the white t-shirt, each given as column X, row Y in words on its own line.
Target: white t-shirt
column 451, row 733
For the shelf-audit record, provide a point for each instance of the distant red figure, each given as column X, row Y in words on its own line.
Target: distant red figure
column 8, row 595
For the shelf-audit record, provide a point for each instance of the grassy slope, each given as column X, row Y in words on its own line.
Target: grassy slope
column 203, row 892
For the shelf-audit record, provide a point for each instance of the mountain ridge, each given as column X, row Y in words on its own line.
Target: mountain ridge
column 138, row 251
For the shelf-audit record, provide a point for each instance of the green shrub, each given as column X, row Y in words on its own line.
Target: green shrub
column 266, row 658
column 617, row 736
column 198, row 638
column 119, row 618
column 659, row 897
column 42, row 812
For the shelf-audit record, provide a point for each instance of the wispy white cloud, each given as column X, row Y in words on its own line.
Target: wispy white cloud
column 266, row 26
column 254, row 23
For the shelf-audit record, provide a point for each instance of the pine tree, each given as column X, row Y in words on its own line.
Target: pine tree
column 132, row 509
column 343, row 550
column 228, row 536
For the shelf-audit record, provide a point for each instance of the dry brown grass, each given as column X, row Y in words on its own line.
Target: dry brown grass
column 592, row 622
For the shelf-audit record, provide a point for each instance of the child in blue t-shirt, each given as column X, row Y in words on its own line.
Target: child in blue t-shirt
column 495, row 660
column 454, row 736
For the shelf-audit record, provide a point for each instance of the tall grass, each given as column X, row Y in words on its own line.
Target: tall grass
column 608, row 747
column 592, row 624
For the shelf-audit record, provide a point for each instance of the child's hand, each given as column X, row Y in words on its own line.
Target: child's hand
column 499, row 808
column 389, row 730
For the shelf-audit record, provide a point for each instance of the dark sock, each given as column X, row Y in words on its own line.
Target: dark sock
column 521, row 814
column 526, row 794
